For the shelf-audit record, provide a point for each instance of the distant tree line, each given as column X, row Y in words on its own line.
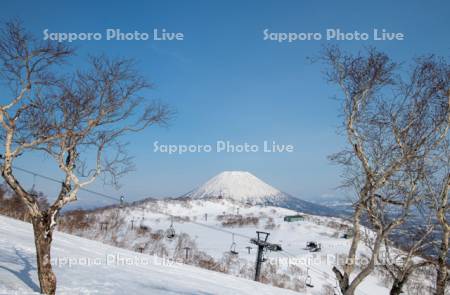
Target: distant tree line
column 12, row 205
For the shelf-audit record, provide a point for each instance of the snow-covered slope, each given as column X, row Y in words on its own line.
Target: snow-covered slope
column 100, row 269
column 244, row 187
column 205, row 222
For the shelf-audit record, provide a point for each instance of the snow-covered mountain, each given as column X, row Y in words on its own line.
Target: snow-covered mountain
column 240, row 186
column 244, row 187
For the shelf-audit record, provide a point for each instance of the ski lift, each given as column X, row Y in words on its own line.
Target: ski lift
column 233, row 246
column 308, row 280
column 33, row 188
column 171, row 231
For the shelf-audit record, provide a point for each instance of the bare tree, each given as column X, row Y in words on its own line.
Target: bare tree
column 438, row 185
column 442, row 278
column 76, row 119
column 401, row 260
column 391, row 124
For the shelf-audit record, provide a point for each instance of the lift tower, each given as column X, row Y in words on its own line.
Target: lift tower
column 263, row 245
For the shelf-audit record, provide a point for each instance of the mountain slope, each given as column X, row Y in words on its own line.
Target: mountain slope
column 237, row 185
column 106, row 274
column 244, row 187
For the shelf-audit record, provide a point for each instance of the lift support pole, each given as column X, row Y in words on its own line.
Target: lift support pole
column 258, row 262
column 261, row 242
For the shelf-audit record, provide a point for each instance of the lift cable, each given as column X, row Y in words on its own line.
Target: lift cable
column 59, row 181
column 120, row 199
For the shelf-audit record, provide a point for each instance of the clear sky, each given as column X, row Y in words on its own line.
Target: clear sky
column 227, row 83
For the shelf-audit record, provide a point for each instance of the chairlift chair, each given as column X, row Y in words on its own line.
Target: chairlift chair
column 233, row 247
column 308, row 280
column 264, row 257
column 33, row 188
column 171, row 231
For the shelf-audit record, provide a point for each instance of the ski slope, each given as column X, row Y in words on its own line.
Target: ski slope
column 97, row 268
column 204, row 227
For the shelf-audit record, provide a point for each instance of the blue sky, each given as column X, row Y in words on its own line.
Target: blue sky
column 226, row 82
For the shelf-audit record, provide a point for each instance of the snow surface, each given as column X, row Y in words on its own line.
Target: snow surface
column 97, row 268
column 292, row 236
column 214, row 239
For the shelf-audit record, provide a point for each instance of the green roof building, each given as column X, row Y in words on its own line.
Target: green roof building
column 294, row 218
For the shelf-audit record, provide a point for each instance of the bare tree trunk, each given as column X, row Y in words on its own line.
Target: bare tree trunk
column 349, row 266
column 442, row 271
column 344, row 277
column 43, row 241
column 368, row 269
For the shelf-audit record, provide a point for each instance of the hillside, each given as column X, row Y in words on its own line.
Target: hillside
column 207, row 227
column 103, row 275
column 211, row 230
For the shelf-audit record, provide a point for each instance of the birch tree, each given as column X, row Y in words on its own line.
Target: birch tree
column 392, row 120
column 438, row 185
column 403, row 250
column 75, row 119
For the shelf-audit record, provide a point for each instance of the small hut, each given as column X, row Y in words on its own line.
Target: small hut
column 294, row 218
